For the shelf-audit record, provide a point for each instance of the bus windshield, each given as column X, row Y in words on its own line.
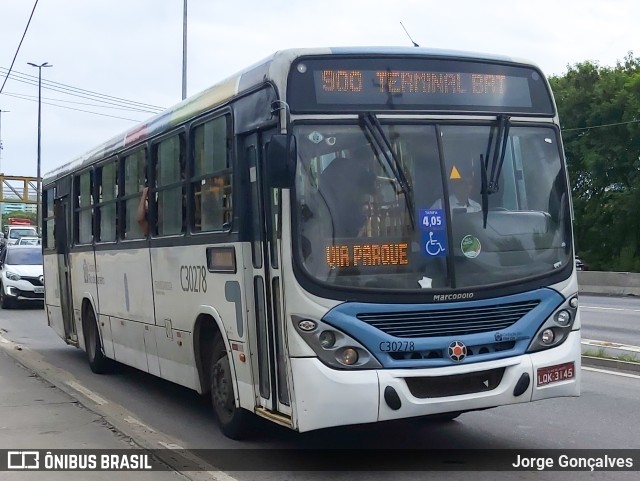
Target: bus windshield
column 413, row 218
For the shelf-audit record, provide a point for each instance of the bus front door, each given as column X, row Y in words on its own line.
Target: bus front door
column 62, row 231
column 269, row 354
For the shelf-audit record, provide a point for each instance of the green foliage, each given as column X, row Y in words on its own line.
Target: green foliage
column 599, row 109
column 18, row 215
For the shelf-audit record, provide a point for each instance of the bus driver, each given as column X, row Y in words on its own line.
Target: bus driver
column 461, row 183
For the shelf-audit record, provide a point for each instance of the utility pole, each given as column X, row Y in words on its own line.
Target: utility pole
column 39, row 179
column 1, row 111
column 184, row 51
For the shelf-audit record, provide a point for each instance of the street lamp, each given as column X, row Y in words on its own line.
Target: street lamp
column 184, row 50
column 39, row 180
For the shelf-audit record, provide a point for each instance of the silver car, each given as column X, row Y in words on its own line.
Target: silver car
column 22, row 275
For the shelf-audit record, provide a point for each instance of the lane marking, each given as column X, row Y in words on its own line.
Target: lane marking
column 610, row 344
column 615, row 373
column 598, row 308
column 87, row 392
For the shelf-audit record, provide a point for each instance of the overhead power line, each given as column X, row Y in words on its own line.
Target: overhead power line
column 83, row 93
column 34, row 98
column 19, row 45
column 601, row 126
column 72, row 108
column 55, row 103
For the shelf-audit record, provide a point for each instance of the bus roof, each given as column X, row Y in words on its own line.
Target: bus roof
column 273, row 68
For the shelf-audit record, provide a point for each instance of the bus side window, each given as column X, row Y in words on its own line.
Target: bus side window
column 84, row 208
column 212, row 176
column 169, row 164
column 49, row 219
column 106, row 178
column 134, row 182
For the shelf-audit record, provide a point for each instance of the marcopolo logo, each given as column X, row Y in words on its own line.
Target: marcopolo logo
column 453, row 297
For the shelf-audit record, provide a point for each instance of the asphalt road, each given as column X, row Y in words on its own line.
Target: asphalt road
column 600, row 419
column 615, row 319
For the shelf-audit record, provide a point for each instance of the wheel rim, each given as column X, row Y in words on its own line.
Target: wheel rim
column 222, row 390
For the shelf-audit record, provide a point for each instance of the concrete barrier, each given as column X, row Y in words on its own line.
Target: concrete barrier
column 609, row 283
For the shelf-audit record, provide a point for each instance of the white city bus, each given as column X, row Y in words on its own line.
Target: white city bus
column 336, row 236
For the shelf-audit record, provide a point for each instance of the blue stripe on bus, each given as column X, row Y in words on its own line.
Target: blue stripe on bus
column 344, row 318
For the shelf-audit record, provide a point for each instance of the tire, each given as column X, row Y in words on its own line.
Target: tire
column 234, row 422
column 98, row 362
column 4, row 300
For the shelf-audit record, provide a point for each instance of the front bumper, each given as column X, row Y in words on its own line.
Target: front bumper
column 327, row 397
column 22, row 290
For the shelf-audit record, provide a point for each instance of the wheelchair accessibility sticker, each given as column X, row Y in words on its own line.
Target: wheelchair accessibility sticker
column 434, row 235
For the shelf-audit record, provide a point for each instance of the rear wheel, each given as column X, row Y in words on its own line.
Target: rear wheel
column 4, row 300
column 98, row 362
column 234, row 421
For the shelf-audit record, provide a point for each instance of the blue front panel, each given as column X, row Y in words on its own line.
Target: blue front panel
column 419, row 335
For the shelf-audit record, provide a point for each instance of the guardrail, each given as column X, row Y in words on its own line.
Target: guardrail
column 610, row 283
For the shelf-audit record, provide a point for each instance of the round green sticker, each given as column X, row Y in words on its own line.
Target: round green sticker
column 470, row 246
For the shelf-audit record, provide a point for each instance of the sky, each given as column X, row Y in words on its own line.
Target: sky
column 132, row 50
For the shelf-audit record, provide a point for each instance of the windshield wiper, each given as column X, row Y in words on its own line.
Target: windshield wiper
column 484, row 191
column 372, row 124
column 490, row 185
column 498, row 153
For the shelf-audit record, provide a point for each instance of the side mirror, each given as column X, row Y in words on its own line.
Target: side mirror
column 281, row 160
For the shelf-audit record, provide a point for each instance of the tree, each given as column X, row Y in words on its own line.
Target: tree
column 18, row 215
column 599, row 109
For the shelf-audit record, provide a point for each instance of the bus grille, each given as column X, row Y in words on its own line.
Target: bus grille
column 449, row 322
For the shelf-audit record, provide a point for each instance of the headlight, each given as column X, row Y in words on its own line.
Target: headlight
column 556, row 328
column 349, row 356
column 327, row 339
column 12, row 276
column 563, row 318
column 547, row 336
column 334, row 347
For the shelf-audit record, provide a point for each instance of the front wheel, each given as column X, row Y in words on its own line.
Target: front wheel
column 235, row 422
column 98, row 362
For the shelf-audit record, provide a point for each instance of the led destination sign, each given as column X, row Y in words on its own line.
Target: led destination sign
column 351, row 81
column 411, row 87
column 337, row 83
column 367, row 255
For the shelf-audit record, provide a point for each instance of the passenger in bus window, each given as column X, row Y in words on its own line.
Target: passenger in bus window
column 213, row 208
column 143, row 211
column 346, row 187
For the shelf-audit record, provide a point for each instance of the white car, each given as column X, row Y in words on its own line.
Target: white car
column 14, row 232
column 22, row 275
column 28, row 241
